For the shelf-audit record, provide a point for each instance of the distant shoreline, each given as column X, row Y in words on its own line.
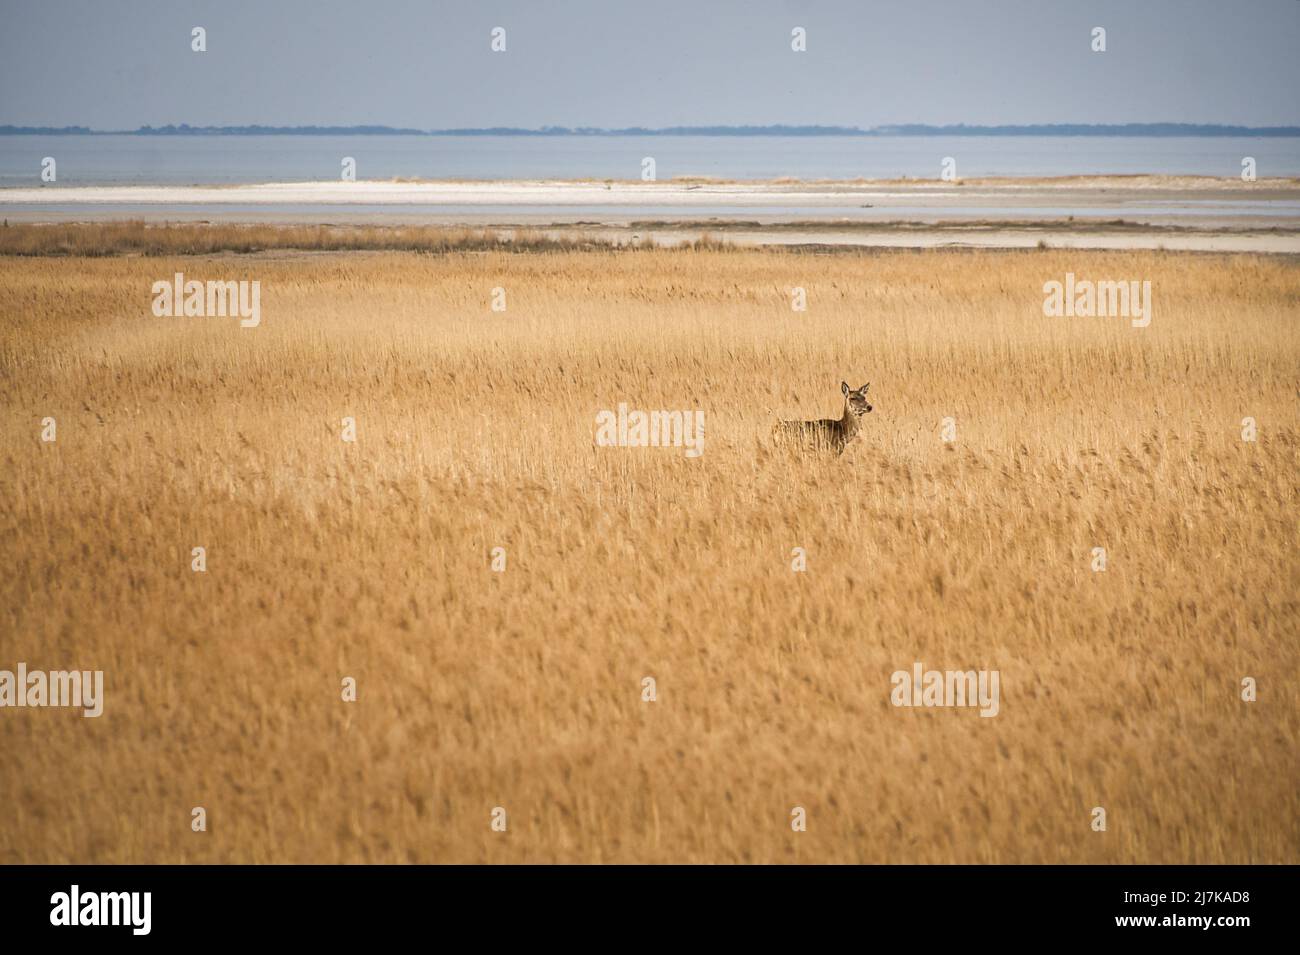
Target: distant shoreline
column 1133, row 130
column 1123, row 212
column 684, row 190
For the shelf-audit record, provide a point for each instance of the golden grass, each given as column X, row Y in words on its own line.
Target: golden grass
column 523, row 689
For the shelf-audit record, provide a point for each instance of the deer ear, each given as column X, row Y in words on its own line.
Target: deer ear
column 864, row 388
column 844, row 387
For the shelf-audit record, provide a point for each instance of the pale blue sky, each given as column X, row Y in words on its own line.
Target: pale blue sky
column 427, row 64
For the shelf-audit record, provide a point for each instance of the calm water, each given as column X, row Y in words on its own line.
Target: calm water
column 148, row 160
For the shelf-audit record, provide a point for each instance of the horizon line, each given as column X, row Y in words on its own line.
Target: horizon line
column 775, row 129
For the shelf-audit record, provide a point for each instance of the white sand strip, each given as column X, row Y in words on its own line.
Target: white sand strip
column 668, row 194
column 430, row 193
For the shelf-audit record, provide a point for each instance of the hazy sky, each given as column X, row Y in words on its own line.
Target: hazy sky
column 427, row 64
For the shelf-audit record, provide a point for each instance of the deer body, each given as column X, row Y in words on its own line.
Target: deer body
column 829, row 433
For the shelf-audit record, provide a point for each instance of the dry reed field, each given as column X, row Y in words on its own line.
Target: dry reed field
column 522, row 689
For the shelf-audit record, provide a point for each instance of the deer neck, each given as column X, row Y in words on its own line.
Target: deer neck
column 849, row 422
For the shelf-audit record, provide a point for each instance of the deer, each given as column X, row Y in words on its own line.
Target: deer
column 829, row 433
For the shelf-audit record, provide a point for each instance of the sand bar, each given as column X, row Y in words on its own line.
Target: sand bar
column 1194, row 213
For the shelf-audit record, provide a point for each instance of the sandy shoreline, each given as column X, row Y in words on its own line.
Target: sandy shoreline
column 1174, row 212
column 1102, row 190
